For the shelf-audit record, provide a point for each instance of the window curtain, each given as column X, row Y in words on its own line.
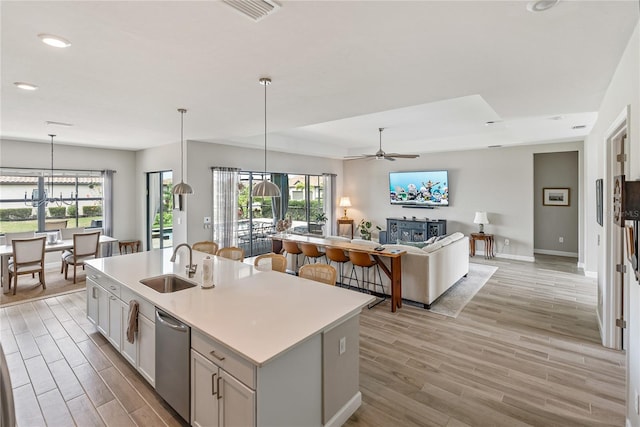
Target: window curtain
column 280, row 204
column 107, row 208
column 225, row 206
column 329, row 202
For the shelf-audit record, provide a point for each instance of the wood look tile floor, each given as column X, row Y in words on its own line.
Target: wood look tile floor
column 525, row 351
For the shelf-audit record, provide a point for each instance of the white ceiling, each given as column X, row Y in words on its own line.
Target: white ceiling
column 431, row 72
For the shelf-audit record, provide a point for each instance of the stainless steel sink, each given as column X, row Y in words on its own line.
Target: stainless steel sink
column 167, row 283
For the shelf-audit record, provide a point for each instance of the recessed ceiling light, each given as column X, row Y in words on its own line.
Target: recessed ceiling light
column 49, row 122
column 541, row 5
column 578, row 127
column 26, row 86
column 54, row 41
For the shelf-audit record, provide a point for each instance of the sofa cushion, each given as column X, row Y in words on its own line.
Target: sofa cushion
column 367, row 243
column 409, row 249
column 456, row 236
column 419, row 245
column 432, row 247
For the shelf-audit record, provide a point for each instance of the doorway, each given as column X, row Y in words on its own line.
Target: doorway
column 159, row 210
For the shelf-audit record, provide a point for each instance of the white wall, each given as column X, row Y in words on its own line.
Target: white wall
column 21, row 154
column 497, row 180
column 201, row 157
column 623, row 90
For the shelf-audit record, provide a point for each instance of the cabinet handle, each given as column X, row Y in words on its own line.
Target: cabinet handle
column 219, row 390
column 213, row 386
column 93, row 292
column 213, row 353
column 93, row 276
column 112, row 298
column 113, row 288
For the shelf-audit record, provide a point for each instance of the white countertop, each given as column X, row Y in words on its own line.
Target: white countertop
column 258, row 314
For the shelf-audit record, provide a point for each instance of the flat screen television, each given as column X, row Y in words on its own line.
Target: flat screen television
column 424, row 188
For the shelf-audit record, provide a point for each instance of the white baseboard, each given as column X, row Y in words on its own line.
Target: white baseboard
column 580, row 264
column 628, row 423
column 516, row 257
column 592, row 274
column 346, row 411
column 558, row 253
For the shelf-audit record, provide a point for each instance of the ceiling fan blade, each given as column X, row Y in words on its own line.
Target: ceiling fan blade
column 403, row 156
column 361, row 156
column 388, row 157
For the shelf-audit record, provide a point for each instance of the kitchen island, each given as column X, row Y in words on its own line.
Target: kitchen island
column 267, row 348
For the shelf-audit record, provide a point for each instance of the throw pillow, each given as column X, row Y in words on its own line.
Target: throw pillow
column 432, row 247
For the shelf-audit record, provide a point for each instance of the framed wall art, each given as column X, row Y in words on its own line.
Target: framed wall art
column 555, row 196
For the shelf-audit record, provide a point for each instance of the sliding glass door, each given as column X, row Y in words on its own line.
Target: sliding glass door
column 159, row 210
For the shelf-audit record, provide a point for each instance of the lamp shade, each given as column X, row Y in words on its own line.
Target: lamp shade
column 182, row 188
column 345, row 202
column 266, row 189
column 481, row 218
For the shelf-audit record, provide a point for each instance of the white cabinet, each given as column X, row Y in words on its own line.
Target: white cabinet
column 218, row 398
column 146, row 351
column 116, row 308
column 108, row 309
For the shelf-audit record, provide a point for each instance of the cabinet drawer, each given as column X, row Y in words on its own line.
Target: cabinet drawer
column 145, row 307
column 106, row 282
column 226, row 359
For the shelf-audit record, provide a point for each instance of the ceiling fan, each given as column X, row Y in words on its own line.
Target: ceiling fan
column 381, row 155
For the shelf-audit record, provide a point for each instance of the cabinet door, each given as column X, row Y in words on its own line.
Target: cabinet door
column 129, row 350
column 204, row 394
column 92, row 302
column 115, row 321
column 146, row 339
column 238, row 402
column 103, row 310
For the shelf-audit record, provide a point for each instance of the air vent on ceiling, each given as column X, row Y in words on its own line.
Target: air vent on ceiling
column 254, row 9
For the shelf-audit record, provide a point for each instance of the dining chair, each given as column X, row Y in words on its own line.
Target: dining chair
column 67, row 233
column 55, row 225
column 231, row 252
column 206, row 246
column 85, row 247
column 28, row 258
column 324, row 273
column 271, row 261
column 10, row 237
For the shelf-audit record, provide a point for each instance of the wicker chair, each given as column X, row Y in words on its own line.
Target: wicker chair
column 271, row 261
column 206, row 247
column 324, row 273
column 231, row 252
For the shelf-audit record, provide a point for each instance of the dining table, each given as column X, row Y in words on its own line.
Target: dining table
column 61, row 245
column 393, row 272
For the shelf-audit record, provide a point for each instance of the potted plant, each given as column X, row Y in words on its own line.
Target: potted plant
column 316, row 226
column 365, row 228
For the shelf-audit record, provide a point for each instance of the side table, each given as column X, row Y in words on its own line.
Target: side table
column 488, row 244
column 133, row 245
column 345, row 221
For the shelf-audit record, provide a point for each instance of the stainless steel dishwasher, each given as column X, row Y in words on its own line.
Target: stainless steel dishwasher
column 173, row 343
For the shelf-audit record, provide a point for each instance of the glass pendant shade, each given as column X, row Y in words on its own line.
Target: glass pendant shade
column 182, row 188
column 266, row 189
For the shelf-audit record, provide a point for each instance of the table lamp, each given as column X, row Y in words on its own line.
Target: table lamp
column 481, row 218
column 345, row 202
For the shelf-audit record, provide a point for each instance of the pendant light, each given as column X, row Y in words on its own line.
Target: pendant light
column 265, row 188
column 182, row 187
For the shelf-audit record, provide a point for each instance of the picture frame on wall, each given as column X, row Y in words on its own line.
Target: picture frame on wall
column 599, row 201
column 555, row 197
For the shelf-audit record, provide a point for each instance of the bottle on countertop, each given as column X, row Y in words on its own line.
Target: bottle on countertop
column 207, row 273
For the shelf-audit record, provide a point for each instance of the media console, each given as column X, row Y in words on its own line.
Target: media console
column 414, row 230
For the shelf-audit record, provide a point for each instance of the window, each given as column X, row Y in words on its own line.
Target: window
column 302, row 200
column 159, row 210
column 33, row 200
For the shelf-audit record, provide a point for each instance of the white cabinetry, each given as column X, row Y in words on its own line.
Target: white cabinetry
column 217, row 397
column 108, row 309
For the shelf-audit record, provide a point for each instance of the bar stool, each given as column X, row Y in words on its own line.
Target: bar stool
column 338, row 256
column 292, row 248
column 311, row 251
column 364, row 261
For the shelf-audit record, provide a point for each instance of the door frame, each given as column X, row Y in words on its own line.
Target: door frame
column 612, row 309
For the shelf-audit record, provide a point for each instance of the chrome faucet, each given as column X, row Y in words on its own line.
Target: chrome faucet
column 191, row 268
